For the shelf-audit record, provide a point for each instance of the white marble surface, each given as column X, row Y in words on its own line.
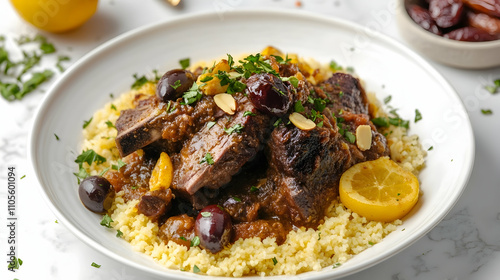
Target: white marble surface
column 465, row 245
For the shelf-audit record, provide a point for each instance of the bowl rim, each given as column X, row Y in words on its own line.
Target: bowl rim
column 465, row 45
column 254, row 11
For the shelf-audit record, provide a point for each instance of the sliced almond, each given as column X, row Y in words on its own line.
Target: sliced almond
column 226, row 102
column 364, row 137
column 301, row 122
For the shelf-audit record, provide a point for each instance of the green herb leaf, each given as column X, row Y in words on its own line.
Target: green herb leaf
column 119, row 233
column 430, row 148
column 292, row 79
column 15, row 264
column 208, row 159
column 113, row 107
column 387, row 99
column 418, row 115
column 210, row 124
column 486, row 112
column 36, row 79
column 235, row 128
column 110, row 124
column 192, row 95
column 106, row 221
column 57, row 137
column 206, row 214
column 253, row 189
column 196, row 269
column 119, row 165
column 47, row 47
column 95, row 265
column 139, row 81
column 248, row 113
column 350, row 137
column 207, row 79
column 89, row 156
column 334, row 66
column 298, row 107
column 336, row 265
column 60, row 59
column 176, row 84
column 237, row 199
column 183, row 238
column 22, row 177
column 195, row 241
column 185, row 63
column 103, row 171
column 275, row 261
column 86, row 123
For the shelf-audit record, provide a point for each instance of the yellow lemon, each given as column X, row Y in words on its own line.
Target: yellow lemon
column 55, row 15
column 379, row 190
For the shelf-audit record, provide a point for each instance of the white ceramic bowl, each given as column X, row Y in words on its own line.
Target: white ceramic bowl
column 469, row 55
column 387, row 67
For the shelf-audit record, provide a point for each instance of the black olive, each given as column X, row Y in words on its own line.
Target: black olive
column 214, row 228
column 96, row 194
column 268, row 94
column 173, row 84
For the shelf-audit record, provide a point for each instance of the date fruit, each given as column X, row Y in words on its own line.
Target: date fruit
column 470, row 34
column 446, row 13
column 268, row 94
column 423, row 18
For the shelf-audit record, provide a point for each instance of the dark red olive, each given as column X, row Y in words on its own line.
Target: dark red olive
column 214, row 228
column 268, row 94
column 446, row 13
column 470, row 34
column 96, row 194
column 423, row 18
column 173, row 84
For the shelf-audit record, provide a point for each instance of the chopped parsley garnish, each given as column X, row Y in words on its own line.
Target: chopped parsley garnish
column 119, row 233
column 196, row 269
column 493, row 88
column 60, row 59
column 486, row 111
column 371, row 243
column 335, row 67
column 233, row 84
column 275, row 261
column 139, row 81
column 293, row 80
column 95, row 265
column 106, row 221
column 253, row 189
column 207, row 79
column 86, row 123
column 430, row 148
column 176, row 84
column 183, row 238
column 320, row 124
column 336, row 265
column 192, row 95
column 22, row 177
column 110, row 124
column 134, row 187
column 387, row 99
column 237, row 199
column 277, row 122
column 206, row 214
column 210, row 124
column 185, row 63
column 15, row 264
column 298, row 107
column 315, row 115
column 195, row 241
column 319, row 235
column 418, row 115
column 235, row 128
column 103, row 171
column 208, row 159
column 385, row 122
column 57, row 137
column 319, row 104
column 248, row 113
column 88, row 156
column 254, row 64
column 113, row 107
column 350, row 137
column 119, row 165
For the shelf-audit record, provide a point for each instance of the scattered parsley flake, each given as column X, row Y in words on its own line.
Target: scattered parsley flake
column 418, row 115
column 248, row 113
column 210, row 124
column 86, row 123
column 350, row 137
column 196, row 269
column 113, row 107
column 185, row 63
column 95, row 265
column 176, row 84
column 15, row 263
column 371, row 243
column 334, row 66
column 207, row 79
column 119, row 233
column 139, row 81
column 387, row 99
column 486, row 111
column 235, row 128
column 336, row 265
column 134, row 187
column 56, row 221
column 206, row 214
column 22, row 177
column 60, row 59
column 110, row 124
column 104, row 171
column 320, row 124
column 183, row 238
column 298, row 107
column 106, row 221
column 277, row 122
column 89, row 156
column 275, row 261
column 430, row 148
column 493, row 88
column 57, row 137
column 292, row 79
column 208, row 159
column 237, row 199
column 119, row 165
column 195, row 241
column 253, row 189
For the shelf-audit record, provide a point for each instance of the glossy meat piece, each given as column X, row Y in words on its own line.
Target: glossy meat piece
column 155, row 204
column 179, row 229
column 262, row 229
column 229, row 149
column 152, row 120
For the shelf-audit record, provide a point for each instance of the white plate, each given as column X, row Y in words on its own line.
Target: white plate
column 387, row 67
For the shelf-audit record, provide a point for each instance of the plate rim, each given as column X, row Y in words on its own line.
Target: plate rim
column 254, row 12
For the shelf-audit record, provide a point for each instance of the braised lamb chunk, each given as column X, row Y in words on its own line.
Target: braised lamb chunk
column 217, row 152
column 155, row 204
column 262, row 229
column 152, row 120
